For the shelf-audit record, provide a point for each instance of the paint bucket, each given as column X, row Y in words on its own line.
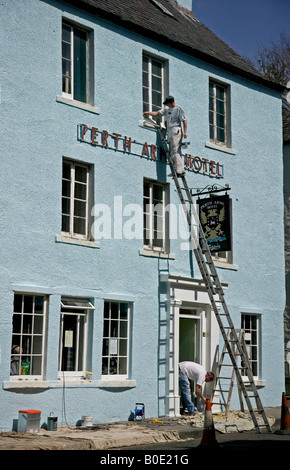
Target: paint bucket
column 52, row 422
column 29, row 421
column 87, row 420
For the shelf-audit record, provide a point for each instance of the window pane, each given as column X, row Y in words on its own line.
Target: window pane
column 66, row 188
column 123, row 329
column 80, row 65
column 114, row 310
column 66, row 171
column 220, row 121
column 18, row 303
column 65, row 206
column 156, row 83
column 66, row 32
column 145, row 79
column 156, row 68
column 28, row 303
column 66, row 50
column 80, row 208
column 39, row 303
column 156, row 99
column 145, row 63
column 123, row 311
column 220, row 135
column 79, row 226
column 65, row 225
column 81, row 174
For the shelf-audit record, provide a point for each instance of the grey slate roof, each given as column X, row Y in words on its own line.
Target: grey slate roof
column 182, row 31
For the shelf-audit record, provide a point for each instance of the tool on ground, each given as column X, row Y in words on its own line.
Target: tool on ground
column 157, row 421
column 139, row 411
column 215, row 292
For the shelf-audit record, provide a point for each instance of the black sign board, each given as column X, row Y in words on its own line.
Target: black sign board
column 214, row 216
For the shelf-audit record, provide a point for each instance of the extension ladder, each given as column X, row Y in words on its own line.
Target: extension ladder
column 214, row 288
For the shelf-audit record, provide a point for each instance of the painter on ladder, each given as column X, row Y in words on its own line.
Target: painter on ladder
column 175, row 118
column 192, row 372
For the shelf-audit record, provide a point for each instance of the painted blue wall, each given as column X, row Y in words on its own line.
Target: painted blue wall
column 37, row 131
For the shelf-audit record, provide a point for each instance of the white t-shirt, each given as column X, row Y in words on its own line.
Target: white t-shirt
column 193, row 371
column 174, row 116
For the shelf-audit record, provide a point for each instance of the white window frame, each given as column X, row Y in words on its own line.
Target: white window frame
column 227, row 114
column 149, row 210
column 89, row 62
column 250, row 342
column 71, row 233
column 164, row 80
column 26, row 338
column 80, row 309
column 117, row 339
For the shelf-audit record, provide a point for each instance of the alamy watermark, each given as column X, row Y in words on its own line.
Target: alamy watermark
column 154, row 224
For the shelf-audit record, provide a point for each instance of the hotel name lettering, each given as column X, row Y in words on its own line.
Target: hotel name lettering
column 125, row 144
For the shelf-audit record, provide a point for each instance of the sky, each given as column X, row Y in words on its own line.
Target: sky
column 245, row 25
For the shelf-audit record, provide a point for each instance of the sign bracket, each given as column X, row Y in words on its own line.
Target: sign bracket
column 210, row 189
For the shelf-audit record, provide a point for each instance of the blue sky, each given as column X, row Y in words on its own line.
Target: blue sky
column 245, row 24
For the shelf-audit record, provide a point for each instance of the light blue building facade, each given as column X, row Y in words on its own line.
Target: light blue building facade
column 100, row 306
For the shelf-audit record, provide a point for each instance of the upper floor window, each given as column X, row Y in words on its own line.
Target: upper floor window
column 28, row 335
column 76, row 199
column 154, row 83
column 219, row 113
column 156, row 217
column 76, row 63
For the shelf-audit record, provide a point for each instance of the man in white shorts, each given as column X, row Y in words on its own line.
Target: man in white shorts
column 175, row 118
column 191, row 371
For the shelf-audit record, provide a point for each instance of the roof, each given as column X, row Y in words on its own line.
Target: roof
column 177, row 28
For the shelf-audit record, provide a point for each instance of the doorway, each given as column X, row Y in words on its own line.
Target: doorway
column 189, row 336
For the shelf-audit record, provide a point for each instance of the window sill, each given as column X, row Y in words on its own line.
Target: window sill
column 222, row 148
column 258, row 383
column 156, row 254
column 76, row 241
column 150, row 124
column 225, row 265
column 78, row 104
column 15, row 385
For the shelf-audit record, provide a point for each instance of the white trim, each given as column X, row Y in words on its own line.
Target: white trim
column 76, row 241
column 77, row 104
column 156, row 254
column 222, row 148
column 189, row 293
column 77, row 383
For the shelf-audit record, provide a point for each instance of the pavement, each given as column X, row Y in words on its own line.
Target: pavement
column 135, row 434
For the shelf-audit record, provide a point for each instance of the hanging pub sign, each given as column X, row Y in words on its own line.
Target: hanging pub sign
column 214, row 216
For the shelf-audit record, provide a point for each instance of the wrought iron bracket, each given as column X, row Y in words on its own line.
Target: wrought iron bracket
column 209, row 189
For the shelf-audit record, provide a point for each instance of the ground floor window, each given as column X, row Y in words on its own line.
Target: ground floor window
column 73, row 349
column 28, row 335
column 250, row 324
column 115, row 339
